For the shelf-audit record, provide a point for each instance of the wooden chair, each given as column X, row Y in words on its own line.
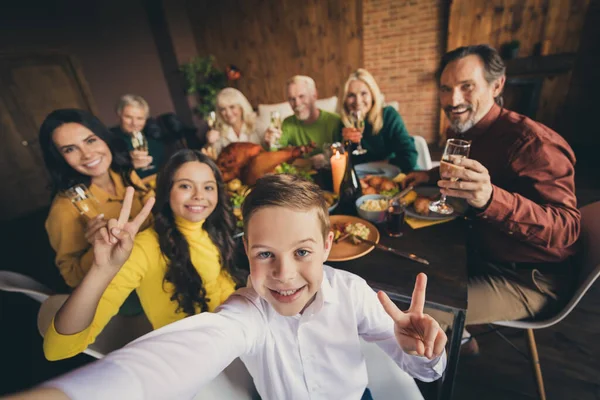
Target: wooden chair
column 590, row 271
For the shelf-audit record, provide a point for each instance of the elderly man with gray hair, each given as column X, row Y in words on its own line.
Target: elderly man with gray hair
column 308, row 124
column 141, row 138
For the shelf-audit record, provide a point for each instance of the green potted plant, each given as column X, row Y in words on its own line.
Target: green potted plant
column 204, row 80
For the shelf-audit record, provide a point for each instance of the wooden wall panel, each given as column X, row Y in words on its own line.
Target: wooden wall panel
column 271, row 40
column 543, row 27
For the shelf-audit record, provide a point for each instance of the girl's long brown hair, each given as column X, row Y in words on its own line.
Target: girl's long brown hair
column 189, row 292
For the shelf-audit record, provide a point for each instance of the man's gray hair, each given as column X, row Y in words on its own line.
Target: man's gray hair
column 132, row 100
column 306, row 80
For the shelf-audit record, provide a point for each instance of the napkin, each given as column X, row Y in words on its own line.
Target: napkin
column 417, row 223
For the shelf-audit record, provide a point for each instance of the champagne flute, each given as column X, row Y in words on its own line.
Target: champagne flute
column 358, row 122
column 140, row 143
column 275, row 124
column 83, row 200
column 211, row 118
column 454, row 152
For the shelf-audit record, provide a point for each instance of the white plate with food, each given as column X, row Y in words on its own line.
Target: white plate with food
column 345, row 250
column 419, row 208
column 376, row 168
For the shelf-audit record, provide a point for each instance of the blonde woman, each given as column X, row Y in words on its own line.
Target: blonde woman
column 385, row 136
column 235, row 122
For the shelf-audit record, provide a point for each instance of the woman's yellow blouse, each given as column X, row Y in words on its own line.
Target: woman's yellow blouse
column 66, row 228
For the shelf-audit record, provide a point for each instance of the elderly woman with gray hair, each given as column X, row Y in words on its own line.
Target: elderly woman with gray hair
column 140, row 134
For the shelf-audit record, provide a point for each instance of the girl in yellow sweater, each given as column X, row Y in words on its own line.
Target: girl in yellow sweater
column 182, row 266
column 78, row 148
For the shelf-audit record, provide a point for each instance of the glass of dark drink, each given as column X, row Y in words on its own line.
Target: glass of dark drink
column 395, row 218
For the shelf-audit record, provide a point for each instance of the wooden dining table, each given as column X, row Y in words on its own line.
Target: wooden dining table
column 443, row 245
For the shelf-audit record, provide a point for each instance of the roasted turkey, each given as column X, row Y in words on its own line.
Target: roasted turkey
column 249, row 161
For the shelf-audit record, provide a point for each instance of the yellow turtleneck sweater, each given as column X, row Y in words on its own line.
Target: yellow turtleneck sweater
column 144, row 272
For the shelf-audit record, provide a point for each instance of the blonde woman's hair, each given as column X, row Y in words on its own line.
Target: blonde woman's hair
column 132, row 100
column 375, row 115
column 229, row 96
column 306, row 80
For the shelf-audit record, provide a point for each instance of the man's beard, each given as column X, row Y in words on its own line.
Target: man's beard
column 462, row 127
column 455, row 124
column 302, row 113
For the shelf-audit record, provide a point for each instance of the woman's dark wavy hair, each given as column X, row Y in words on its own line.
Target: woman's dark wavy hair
column 220, row 226
column 62, row 174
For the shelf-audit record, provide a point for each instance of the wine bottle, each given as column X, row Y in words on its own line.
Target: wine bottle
column 350, row 189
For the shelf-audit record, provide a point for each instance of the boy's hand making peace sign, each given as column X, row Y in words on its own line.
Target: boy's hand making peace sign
column 113, row 243
column 416, row 333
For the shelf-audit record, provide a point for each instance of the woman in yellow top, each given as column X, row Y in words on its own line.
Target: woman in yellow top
column 78, row 148
column 182, row 266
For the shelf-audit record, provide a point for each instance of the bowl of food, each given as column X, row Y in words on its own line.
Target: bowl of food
column 372, row 207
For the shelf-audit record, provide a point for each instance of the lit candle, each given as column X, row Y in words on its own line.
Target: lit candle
column 338, row 167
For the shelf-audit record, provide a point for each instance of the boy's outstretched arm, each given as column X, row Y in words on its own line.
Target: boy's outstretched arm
column 173, row 362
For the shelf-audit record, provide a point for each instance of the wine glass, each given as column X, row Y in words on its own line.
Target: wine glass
column 140, row 143
column 275, row 124
column 211, row 118
column 83, row 200
column 357, row 119
column 454, row 152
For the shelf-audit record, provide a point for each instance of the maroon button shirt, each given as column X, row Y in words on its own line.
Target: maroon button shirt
column 532, row 216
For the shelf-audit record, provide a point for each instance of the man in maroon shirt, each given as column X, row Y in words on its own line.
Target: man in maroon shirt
column 519, row 181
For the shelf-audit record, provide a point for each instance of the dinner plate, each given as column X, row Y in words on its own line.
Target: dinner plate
column 460, row 206
column 377, row 168
column 345, row 250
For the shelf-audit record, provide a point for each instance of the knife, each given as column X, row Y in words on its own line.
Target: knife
column 410, row 256
column 402, row 193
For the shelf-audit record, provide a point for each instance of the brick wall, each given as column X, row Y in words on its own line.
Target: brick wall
column 403, row 42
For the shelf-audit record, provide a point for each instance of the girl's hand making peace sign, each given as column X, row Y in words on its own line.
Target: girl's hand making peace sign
column 416, row 333
column 113, row 243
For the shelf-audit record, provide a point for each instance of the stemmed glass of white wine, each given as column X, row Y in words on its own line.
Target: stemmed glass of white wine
column 140, row 143
column 357, row 119
column 211, row 119
column 454, row 152
column 83, row 200
column 275, row 124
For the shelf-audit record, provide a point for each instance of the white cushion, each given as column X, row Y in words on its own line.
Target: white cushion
column 393, row 104
column 263, row 119
column 386, row 379
column 424, row 158
column 328, row 104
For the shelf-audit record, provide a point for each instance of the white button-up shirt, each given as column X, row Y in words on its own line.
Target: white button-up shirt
column 315, row 355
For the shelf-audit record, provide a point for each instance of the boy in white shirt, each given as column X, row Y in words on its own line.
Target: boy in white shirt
column 296, row 326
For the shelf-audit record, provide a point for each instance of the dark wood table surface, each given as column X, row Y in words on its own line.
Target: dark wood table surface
column 443, row 246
